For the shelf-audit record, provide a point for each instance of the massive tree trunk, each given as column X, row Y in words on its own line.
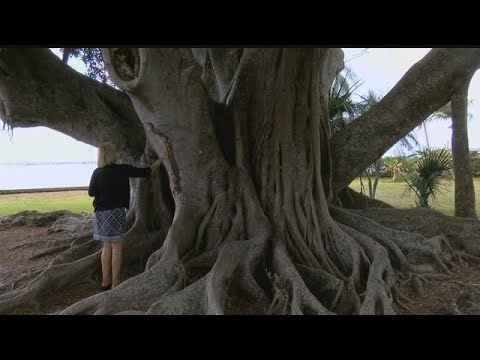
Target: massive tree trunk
column 464, row 190
column 243, row 134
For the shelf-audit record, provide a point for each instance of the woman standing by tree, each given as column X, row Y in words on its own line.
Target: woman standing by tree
column 110, row 187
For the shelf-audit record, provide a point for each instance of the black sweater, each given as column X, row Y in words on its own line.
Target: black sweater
column 110, row 185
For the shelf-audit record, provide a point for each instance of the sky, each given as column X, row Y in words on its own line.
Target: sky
column 40, row 144
column 379, row 69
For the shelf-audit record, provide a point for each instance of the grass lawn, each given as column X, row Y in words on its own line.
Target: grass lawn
column 75, row 201
column 78, row 201
column 392, row 193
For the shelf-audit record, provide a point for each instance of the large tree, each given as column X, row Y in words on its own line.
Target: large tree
column 248, row 204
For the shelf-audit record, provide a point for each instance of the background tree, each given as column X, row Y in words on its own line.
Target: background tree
column 464, row 190
column 250, row 178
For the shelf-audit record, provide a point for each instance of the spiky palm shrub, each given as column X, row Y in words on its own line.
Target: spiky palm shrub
column 342, row 108
column 429, row 176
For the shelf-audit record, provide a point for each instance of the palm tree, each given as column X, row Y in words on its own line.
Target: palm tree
column 429, row 175
column 444, row 113
column 342, row 108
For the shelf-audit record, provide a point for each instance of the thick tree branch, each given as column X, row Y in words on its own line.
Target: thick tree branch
column 427, row 86
column 38, row 89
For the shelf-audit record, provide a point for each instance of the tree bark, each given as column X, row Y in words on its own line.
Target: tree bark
column 464, row 190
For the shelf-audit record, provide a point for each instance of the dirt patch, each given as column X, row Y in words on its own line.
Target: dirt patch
column 19, row 263
column 441, row 296
column 238, row 306
column 58, row 300
column 17, row 247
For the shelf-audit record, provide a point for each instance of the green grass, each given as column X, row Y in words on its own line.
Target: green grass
column 392, row 193
column 78, row 201
column 75, row 201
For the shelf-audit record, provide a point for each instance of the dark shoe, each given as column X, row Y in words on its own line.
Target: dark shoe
column 106, row 287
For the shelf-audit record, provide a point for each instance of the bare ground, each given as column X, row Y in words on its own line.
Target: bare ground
column 457, row 296
column 16, row 260
column 460, row 295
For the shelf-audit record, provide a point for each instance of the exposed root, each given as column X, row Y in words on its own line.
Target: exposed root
column 233, row 250
column 302, row 300
column 73, row 224
column 78, row 263
column 52, row 278
column 323, row 286
column 463, row 284
column 281, row 303
column 377, row 298
column 462, row 233
column 77, row 253
column 232, row 271
column 71, row 240
column 49, row 252
column 22, row 280
column 411, row 252
column 34, row 218
column 413, row 255
column 465, row 256
column 137, row 292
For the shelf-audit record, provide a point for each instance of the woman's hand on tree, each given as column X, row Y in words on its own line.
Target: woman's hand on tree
column 156, row 165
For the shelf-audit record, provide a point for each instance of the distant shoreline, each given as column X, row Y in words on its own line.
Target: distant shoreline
column 45, row 175
column 43, row 190
column 48, row 163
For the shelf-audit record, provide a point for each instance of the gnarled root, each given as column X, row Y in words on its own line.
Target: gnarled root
column 52, row 278
column 234, row 257
column 411, row 252
column 290, row 289
column 232, row 271
column 462, row 233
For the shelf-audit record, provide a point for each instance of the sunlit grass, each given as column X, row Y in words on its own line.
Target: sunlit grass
column 392, row 193
column 79, row 201
column 75, row 201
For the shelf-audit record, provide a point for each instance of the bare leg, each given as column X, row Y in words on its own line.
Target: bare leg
column 116, row 262
column 106, row 263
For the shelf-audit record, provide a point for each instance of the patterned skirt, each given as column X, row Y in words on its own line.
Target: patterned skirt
column 110, row 225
